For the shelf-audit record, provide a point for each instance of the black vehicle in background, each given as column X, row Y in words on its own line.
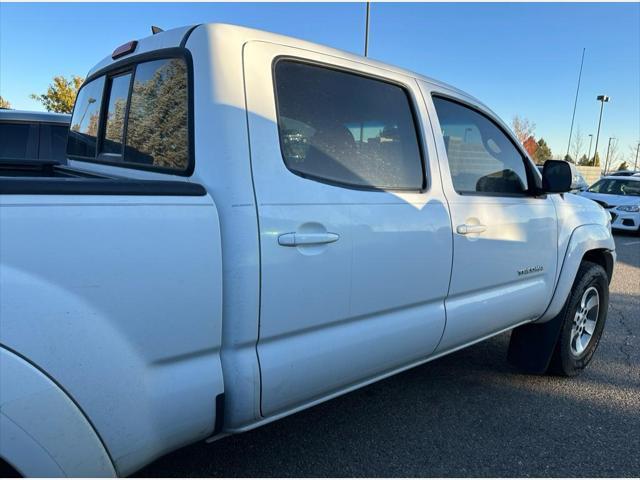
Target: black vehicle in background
column 33, row 135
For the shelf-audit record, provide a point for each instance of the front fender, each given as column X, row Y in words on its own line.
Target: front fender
column 583, row 239
column 42, row 432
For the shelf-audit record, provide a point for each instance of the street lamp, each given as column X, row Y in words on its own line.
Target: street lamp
column 366, row 30
column 90, row 101
column 589, row 154
column 602, row 99
column 606, row 159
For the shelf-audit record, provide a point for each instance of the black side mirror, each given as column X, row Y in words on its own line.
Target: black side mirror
column 556, row 176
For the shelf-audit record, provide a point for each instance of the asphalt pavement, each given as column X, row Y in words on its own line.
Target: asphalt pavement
column 467, row 414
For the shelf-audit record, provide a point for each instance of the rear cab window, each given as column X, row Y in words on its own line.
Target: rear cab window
column 346, row 129
column 83, row 131
column 137, row 116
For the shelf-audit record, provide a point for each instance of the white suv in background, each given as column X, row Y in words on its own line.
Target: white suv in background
column 620, row 195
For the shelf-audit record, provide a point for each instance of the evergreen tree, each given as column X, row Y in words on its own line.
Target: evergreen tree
column 543, row 153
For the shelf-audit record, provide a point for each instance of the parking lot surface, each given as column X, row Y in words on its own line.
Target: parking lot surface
column 467, row 414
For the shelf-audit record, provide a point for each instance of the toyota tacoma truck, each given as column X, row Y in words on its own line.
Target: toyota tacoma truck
column 250, row 224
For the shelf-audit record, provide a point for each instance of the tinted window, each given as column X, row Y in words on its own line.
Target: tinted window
column 18, row 141
column 482, row 159
column 157, row 129
column 114, row 122
column 85, row 120
column 617, row 187
column 53, row 142
column 345, row 128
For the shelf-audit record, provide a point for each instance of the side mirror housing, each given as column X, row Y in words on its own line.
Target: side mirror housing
column 556, row 176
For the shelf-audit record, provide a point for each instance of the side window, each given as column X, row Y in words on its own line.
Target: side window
column 86, row 118
column 53, row 142
column 18, row 141
column 118, row 88
column 345, row 128
column 157, row 129
column 482, row 158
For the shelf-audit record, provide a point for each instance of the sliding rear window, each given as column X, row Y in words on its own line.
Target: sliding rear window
column 141, row 118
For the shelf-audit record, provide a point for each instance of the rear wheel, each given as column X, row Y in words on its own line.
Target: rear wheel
column 583, row 321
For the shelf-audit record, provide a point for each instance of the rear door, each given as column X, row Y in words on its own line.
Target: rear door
column 505, row 238
column 354, row 231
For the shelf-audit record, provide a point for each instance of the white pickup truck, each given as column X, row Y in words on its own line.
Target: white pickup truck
column 249, row 225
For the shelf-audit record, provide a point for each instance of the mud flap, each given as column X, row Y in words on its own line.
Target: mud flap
column 532, row 345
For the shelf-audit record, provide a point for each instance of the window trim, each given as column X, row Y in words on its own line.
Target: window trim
column 130, row 64
column 533, row 184
column 417, row 123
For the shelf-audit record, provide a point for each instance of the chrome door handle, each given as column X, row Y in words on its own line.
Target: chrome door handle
column 465, row 229
column 301, row 239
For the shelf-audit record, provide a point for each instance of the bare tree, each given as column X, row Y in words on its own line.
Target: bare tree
column 523, row 128
column 614, row 154
column 577, row 144
column 633, row 157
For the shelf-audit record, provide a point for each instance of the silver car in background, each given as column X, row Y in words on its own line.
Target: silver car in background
column 620, row 195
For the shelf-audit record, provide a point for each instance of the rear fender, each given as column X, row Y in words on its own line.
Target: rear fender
column 42, row 432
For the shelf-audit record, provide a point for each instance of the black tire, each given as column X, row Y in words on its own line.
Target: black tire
column 567, row 358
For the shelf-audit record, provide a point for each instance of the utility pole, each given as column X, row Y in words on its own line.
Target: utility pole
column 602, row 99
column 575, row 103
column 589, row 154
column 606, row 160
column 635, row 164
column 366, row 31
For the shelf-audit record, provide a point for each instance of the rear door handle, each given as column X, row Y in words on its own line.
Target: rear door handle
column 301, row 239
column 465, row 229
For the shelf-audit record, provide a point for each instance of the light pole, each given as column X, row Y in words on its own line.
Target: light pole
column 606, row 159
column 366, row 31
column 635, row 164
column 589, row 154
column 575, row 104
column 602, row 99
column 90, row 101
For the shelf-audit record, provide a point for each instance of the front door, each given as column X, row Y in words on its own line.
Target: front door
column 355, row 236
column 505, row 238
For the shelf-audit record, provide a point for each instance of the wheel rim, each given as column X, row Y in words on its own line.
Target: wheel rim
column 585, row 320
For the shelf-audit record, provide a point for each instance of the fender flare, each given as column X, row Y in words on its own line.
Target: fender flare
column 42, row 431
column 532, row 345
column 584, row 239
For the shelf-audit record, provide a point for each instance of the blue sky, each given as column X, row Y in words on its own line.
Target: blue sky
column 517, row 58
